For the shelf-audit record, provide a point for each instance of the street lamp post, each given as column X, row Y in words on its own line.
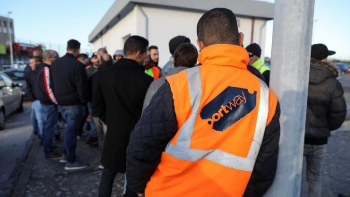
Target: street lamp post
column 10, row 38
column 314, row 31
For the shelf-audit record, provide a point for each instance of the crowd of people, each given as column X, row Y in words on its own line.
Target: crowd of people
column 206, row 124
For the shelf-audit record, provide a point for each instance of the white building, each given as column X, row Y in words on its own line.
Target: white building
column 161, row 20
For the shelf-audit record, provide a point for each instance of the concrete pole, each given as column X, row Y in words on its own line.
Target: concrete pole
column 291, row 50
column 10, row 37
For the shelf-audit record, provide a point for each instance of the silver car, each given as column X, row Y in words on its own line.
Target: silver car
column 11, row 98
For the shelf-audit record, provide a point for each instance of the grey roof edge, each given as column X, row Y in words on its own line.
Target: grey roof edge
column 112, row 13
column 120, row 8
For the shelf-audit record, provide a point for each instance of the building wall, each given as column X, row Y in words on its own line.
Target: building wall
column 114, row 38
column 165, row 24
column 4, row 36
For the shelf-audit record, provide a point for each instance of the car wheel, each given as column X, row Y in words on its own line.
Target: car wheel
column 20, row 108
column 2, row 120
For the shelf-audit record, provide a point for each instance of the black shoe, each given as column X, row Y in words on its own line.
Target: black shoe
column 94, row 144
column 88, row 126
column 35, row 132
column 58, row 138
column 56, row 148
column 41, row 142
column 343, row 195
column 91, row 140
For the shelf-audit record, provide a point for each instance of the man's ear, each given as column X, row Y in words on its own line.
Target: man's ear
column 200, row 45
column 138, row 55
column 241, row 39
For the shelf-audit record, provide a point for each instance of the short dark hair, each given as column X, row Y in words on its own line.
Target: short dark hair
column 37, row 59
column 152, row 47
column 218, row 26
column 83, row 56
column 103, row 50
column 185, row 55
column 73, row 45
column 135, row 44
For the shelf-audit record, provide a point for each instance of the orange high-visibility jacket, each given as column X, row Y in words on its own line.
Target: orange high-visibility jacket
column 222, row 111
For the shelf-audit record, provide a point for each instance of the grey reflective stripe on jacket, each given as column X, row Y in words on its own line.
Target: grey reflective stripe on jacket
column 155, row 85
column 182, row 148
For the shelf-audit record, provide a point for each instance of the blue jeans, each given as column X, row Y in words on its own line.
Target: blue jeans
column 50, row 118
column 74, row 117
column 33, row 120
column 315, row 155
column 36, row 105
column 93, row 131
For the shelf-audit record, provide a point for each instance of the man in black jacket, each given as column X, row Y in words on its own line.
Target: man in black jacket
column 48, row 103
column 118, row 97
column 31, row 77
column 326, row 111
column 90, row 70
column 71, row 91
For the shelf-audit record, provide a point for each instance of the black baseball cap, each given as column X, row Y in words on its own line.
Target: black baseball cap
column 320, row 51
column 254, row 48
column 94, row 55
column 176, row 42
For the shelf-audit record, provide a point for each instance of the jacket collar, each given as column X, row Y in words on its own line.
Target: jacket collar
column 129, row 63
column 224, row 55
column 70, row 55
column 46, row 65
column 257, row 64
column 175, row 70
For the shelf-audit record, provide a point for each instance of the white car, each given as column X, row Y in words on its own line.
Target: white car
column 11, row 98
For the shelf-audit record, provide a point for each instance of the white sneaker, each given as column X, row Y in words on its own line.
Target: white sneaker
column 101, row 167
column 63, row 159
column 77, row 165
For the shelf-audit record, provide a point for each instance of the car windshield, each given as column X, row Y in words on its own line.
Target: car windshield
column 15, row 75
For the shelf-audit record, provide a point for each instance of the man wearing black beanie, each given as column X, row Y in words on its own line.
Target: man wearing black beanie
column 254, row 51
column 173, row 44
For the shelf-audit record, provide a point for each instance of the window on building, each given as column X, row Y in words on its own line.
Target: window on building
column 11, row 25
column 4, row 24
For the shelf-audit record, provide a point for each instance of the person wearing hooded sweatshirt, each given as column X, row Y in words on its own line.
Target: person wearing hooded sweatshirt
column 118, row 54
column 185, row 57
column 326, row 111
column 173, row 44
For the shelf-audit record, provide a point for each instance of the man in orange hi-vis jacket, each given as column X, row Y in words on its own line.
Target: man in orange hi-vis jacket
column 211, row 130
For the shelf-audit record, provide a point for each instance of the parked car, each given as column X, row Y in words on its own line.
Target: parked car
column 17, row 75
column 11, row 98
column 344, row 68
column 20, row 64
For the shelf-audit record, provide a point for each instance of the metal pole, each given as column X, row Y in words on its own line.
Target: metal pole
column 291, row 50
column 10, row 38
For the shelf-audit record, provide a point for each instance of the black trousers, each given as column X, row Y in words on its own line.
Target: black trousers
column 106, row 185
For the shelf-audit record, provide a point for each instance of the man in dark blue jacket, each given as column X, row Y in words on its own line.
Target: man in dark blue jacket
column 48, row 103
column 71, row 91
column 31, row 73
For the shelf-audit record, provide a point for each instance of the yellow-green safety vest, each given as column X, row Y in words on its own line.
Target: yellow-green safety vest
column 258, row 64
